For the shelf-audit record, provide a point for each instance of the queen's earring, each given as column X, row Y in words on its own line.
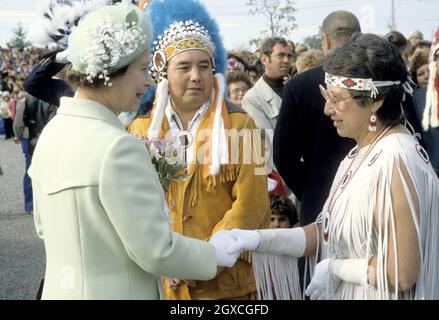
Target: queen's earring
column 373, row 122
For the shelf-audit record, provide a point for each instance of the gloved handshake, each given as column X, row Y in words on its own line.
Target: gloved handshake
column 230, row 243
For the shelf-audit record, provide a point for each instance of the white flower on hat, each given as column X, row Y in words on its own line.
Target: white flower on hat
column 112, row 41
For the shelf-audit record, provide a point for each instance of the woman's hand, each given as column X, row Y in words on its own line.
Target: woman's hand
column 246, row 240
column 223, row 241
column 317, row 289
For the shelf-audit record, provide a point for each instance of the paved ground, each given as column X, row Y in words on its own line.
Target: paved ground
column 22, row 260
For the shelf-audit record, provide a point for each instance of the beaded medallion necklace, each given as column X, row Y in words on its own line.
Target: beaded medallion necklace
column 344, row 181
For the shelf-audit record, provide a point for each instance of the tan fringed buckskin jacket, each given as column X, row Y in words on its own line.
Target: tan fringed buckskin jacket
column 235, row 198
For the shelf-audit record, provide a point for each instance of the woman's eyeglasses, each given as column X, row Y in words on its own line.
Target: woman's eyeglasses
column 328, row 95
column 237, row 91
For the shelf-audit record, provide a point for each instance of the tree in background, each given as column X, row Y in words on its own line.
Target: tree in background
column 19, row 38
column 313, row 42
column 280, row 14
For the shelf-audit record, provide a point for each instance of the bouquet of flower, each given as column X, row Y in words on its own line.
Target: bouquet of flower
column 164, row 157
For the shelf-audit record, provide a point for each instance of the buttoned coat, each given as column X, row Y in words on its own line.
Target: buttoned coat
column 100, row 209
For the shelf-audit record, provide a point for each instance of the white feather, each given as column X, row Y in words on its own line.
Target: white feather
column 62, row 17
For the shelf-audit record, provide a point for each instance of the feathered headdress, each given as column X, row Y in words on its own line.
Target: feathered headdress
column 180, row 26
column 174, row 20
column 57, row 18
column 431, row 110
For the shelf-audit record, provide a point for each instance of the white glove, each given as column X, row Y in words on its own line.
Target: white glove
column 348, row 270
column 286, row 242
column 61, row 57
column 223, row 241
column 318, row 285
column 354, row 271
column 246, row 240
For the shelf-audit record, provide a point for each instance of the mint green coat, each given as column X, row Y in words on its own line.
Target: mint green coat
column 99, row 207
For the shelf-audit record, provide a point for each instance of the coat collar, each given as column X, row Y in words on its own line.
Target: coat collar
column 265, row 90
column 88, row 109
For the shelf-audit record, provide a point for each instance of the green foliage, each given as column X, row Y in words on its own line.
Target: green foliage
column 168, row 172
column 165, row 161
column 280, row 15
column 313, row 42
column 19, row 38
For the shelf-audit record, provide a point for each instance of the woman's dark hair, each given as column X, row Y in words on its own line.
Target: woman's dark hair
column 76, row 79
column 268, row 45
column 397, row 38
column 369, row 56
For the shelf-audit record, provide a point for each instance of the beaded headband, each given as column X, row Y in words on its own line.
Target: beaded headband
column 359, row 84
column 180, row 37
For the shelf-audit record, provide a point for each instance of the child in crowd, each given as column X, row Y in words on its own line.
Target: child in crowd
column 283, row 212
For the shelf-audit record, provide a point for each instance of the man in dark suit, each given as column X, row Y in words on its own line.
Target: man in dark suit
column 307, row 148
column 430, row 135
column 46, row 80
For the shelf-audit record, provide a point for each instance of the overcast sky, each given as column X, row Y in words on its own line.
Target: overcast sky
column 237, row 26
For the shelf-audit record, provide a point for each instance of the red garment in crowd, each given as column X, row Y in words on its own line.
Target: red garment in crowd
column 280, row 189
column 12, row 108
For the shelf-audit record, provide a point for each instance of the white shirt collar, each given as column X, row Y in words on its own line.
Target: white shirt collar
column 186, row 154
column 174, row 119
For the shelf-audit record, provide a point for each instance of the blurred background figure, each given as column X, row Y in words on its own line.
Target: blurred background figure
column 283, row 212
column 22, row 135
column 398, row 39
column 235, row 62
column 301, row 48
column 253, row 74
column 419, row 69
column 238, row 83
column 415, row 36
column 426, row 102
column 309, row 60
column 263, row 101
column 5, row 113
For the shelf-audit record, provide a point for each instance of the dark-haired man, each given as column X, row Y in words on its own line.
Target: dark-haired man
column 263, row 101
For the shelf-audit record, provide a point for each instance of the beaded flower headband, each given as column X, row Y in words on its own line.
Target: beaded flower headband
column 233, row 64
column 180, row 37
column 359, row 84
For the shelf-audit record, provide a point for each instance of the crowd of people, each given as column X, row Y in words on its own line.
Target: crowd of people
column 326, row 158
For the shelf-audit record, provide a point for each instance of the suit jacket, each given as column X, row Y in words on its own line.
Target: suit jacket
column 100, row 208
column 431, row 136
column 36, row 114
column 306, row 147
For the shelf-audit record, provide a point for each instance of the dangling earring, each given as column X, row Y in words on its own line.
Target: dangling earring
column 373, row 122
